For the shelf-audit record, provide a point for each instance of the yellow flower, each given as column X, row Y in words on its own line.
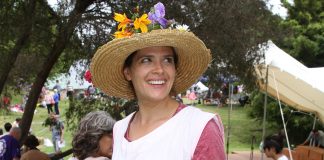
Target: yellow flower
column 123, row 33
column 142, row 23
column 122, row 18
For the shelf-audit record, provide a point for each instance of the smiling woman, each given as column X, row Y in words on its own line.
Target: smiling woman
column 152, row 64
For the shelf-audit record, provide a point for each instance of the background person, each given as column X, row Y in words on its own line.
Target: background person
column 58, row 88
column 9, row 145
column 315, row 138
column 272, row 147
column 93, row 138
column 152, row 68
column 31, row 152
column 7, row 126
column 57, row 129
column 56, row 98
column 16, row 122
column 49, row 100
column 69, row 90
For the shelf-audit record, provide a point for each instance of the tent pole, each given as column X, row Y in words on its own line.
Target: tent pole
column 230, row 93
column 314, row 122
column 265, row 109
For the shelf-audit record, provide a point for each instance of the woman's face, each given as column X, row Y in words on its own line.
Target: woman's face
column 152, row 73
column 105, row 146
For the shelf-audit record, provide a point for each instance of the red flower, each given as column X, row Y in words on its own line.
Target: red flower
column 87, row 76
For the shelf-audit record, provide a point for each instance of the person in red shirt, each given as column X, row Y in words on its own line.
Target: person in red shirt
column 6, row 102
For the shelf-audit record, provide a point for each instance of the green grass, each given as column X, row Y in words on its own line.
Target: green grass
column 240, row 134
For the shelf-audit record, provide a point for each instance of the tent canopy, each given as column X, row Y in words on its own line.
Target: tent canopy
column 297, row 85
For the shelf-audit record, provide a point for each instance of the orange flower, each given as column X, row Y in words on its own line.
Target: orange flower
column 122, row 19
column 123, row 33
column 142, row 23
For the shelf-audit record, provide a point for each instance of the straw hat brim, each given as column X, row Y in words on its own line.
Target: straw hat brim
column 107, row 64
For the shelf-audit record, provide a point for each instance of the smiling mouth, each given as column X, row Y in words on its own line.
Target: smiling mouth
column 157, row 82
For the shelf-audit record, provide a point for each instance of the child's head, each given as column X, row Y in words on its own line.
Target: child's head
column 94, row 136
column 273, row 145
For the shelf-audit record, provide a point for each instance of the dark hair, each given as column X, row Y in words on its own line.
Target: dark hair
column 1, row 131
column 275, row 142
column 7, row 126
column 31, row 142
column 129, row 59
column 91, row 129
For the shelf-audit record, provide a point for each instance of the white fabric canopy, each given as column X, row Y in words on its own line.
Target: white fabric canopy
column 202, row 87
column 297, row 85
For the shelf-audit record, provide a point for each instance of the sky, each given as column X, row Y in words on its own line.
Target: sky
column 276, row 7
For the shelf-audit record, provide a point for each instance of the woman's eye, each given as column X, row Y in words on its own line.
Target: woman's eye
column 145, row 60
column 169, row 60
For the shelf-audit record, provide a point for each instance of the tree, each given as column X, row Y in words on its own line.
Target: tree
column 232, row 30
column 306, row 22
column 298, row 123
column 64, row 33
column 28, row 10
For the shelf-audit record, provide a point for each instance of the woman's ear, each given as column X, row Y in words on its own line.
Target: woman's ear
column 127, row 74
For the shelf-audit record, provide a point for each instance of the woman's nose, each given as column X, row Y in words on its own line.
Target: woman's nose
column 158, row 67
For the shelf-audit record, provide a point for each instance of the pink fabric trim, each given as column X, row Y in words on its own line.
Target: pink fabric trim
column 211, row 142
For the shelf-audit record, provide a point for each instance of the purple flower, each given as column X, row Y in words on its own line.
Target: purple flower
column 158, row 15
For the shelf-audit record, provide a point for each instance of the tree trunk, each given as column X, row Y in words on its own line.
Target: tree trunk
column 20, row 43
column 64, row 34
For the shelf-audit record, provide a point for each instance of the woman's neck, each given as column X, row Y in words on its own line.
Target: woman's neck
column 152, row 111
column 277, row 156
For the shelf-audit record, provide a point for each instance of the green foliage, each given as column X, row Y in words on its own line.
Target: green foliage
column 298, row 123
column 306, row 23
column 116, row 107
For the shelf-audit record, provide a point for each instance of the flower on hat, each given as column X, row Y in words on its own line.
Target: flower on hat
column 182, row 27
column 157, row 15
column 122, row 33
column 122, row 18
column 145, row 23
column 142, row 23
column 87, row 76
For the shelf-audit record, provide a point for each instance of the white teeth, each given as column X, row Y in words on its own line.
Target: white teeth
column 156, row 82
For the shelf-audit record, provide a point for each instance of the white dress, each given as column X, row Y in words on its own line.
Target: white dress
column 283, row 157
column 176, row 139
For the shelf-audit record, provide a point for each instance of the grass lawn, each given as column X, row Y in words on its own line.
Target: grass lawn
column 240, row 132
column 242, row 126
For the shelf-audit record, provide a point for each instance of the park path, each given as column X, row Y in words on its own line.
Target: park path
column 246, row 155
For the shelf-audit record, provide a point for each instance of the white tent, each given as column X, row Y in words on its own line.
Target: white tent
column 75, row 77
column 297, row 85
column 202, row 87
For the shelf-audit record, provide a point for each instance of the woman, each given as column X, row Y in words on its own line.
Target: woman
column 93, row 139
column 273, row 146
column 153, row 66
column 31, row 150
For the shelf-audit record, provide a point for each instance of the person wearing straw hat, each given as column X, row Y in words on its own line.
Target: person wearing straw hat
column 151, row 61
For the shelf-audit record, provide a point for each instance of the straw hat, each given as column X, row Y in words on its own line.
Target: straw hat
column 107, row 63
